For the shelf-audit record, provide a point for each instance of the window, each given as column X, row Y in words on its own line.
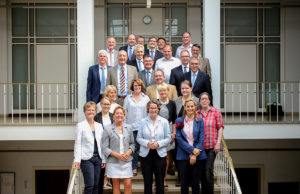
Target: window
column 37, row 24
column 254, row 24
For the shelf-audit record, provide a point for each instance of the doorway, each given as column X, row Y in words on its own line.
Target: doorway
column 51, row 181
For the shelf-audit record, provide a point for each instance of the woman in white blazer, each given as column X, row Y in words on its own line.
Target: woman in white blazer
column 87, row 149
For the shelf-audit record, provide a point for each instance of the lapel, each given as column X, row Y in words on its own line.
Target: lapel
column 88, row 128
column 125, row 130
column 115, row 130
column 96, row 69
column 115, row 75
column 195, row 131
column 198, row 78
column 182, row 131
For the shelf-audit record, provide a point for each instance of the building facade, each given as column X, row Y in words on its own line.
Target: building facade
column 47, row 46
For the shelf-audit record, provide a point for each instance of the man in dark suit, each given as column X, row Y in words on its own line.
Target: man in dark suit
column 177, row 73
column 121, row 77
column 129, row 48
column 155, row 54
column 147, row 75
column 138, row 61
column 96, row 81
column 200, row 81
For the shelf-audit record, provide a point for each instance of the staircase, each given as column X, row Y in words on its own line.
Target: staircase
column 225, row 179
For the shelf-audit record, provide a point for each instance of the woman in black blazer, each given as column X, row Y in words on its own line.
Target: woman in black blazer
column 168, row 111
column 105, row 118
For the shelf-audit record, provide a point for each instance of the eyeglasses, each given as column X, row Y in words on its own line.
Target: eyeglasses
column 204, row 99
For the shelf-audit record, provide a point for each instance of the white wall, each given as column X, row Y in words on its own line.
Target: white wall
column 3, row 54
column 24, row 163
column 291, row 43
column 194, row 19
column 276, row 166
column 100, row 20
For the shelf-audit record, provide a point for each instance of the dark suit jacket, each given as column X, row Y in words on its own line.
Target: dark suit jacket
column 176, row 78
column 124, row 48
column 172, row 111
column 98, row 118
column 94, row 84
column 184, row 149
column 202, row 83
column 134, row 64
column 157, row 56
column 142, row 76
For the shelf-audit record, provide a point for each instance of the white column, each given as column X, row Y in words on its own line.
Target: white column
column 85, row 37
column 211, row 36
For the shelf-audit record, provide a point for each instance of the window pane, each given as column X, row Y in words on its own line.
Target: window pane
column 178, row 25
column 115, row 21
column 19, row 75
column 272, row 72
column 240, row 22
column 52, row 22
column 19, row 22
column 272, row 17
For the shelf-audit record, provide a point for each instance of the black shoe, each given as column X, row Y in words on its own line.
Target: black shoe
column 178, row 184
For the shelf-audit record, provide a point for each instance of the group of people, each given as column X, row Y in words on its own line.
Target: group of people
column 144, row 104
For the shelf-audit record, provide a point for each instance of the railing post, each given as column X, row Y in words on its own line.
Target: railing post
column 19, row 103
column 57, row 103
column 50, row 102
column 4, row 103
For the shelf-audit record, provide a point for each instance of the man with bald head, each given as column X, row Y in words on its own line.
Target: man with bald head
column 121, row 76
column 111, row 52
column 167, row 63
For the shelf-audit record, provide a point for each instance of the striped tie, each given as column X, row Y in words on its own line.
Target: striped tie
column 122, row 84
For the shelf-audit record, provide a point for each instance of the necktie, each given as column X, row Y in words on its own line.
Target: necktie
column 151, row 53
column 193, row 80
column 103, row 80
column 140, row 67
column 148, row 77
column 122, row 84
column 130, row 53
column 111, row 62
column 184, row 69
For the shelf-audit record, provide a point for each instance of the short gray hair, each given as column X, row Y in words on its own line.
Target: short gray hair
column 103, row 52
column 139, row 45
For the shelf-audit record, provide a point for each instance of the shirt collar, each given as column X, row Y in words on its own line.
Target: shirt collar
column 192, row 73
column 188, row 66
column 119, row 67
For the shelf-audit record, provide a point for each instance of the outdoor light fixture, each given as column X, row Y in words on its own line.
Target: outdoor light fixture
column 148, row 4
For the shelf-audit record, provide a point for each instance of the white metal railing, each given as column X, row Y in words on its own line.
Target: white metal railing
column 224, row 171
column 261, row 102
column 40, row 103
column 75, row 182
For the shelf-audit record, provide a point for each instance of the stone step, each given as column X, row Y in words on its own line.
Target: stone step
column 139, row 189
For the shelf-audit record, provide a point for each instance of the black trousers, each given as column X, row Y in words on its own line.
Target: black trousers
column 207, row 174
column 101, row 180
column 150, row 164
column 190, row 175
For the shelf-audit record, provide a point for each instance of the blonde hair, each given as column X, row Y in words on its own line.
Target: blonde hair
column 88, row 105
column 108, row 88
column 162, row 86
column 195, row 112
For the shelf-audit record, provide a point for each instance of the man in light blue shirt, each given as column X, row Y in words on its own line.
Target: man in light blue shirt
column 186, row 40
